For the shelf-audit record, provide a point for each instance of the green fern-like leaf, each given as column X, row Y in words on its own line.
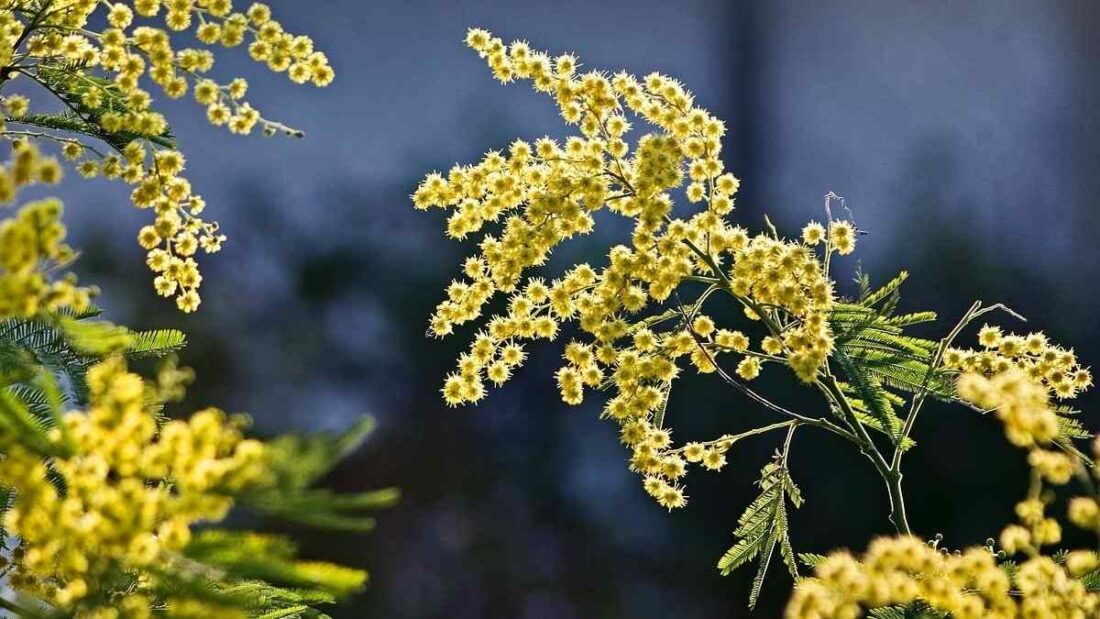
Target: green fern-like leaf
column 763, row 526
column 323, row 508
column 870, row 299
column 270, row 558
column 810, row 560
column 69, row 343
column 1091, row 581
column 916, row 318
column 20, row 426
column 295, row 462
column 880, row 361
column 872, row 397
column 155, row 343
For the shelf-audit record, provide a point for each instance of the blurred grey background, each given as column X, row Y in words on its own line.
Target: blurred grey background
column 964, row 136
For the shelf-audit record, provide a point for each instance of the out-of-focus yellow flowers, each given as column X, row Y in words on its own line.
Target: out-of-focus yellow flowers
column 32, row 242
column 126, row 497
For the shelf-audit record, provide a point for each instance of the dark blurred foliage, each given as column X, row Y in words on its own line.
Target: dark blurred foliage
column 964, row 136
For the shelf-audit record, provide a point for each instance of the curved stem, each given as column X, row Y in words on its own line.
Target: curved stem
column 733, row 438
column 18, row 609
column 42, row 135
column 973, row 313
column 866, row 445
column 891, row 473
column 787, row 442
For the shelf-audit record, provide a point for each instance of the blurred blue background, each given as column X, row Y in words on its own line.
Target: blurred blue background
column 964, row 136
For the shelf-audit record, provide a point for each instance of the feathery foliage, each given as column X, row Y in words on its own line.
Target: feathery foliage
column 295, row 462
column 763, row 526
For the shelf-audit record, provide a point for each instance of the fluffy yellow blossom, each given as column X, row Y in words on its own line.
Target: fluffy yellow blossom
column 1050, row 366
column 26, row 166
column 1084, row 513
column 524, row 201
column 813, row 233
column 969, row 584
column 1017, row 401
column 842, row 236
column 748, row 368
column 788, row 277
column 133, row 488
column 101, row 59
column 31, row 247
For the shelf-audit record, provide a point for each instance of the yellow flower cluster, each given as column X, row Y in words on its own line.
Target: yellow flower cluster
column 1084, row 511
column 902, row 570
column 131, row 491
column 545, row 193
column 124, row 52
column 99, row 75
column 966, row 585
column 177, row 232
column 1021, row 404
column 31, row 247
column 774, row 274
column 1047, row 364
column 32, row 242
column 540, row 194
column 26, row 166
